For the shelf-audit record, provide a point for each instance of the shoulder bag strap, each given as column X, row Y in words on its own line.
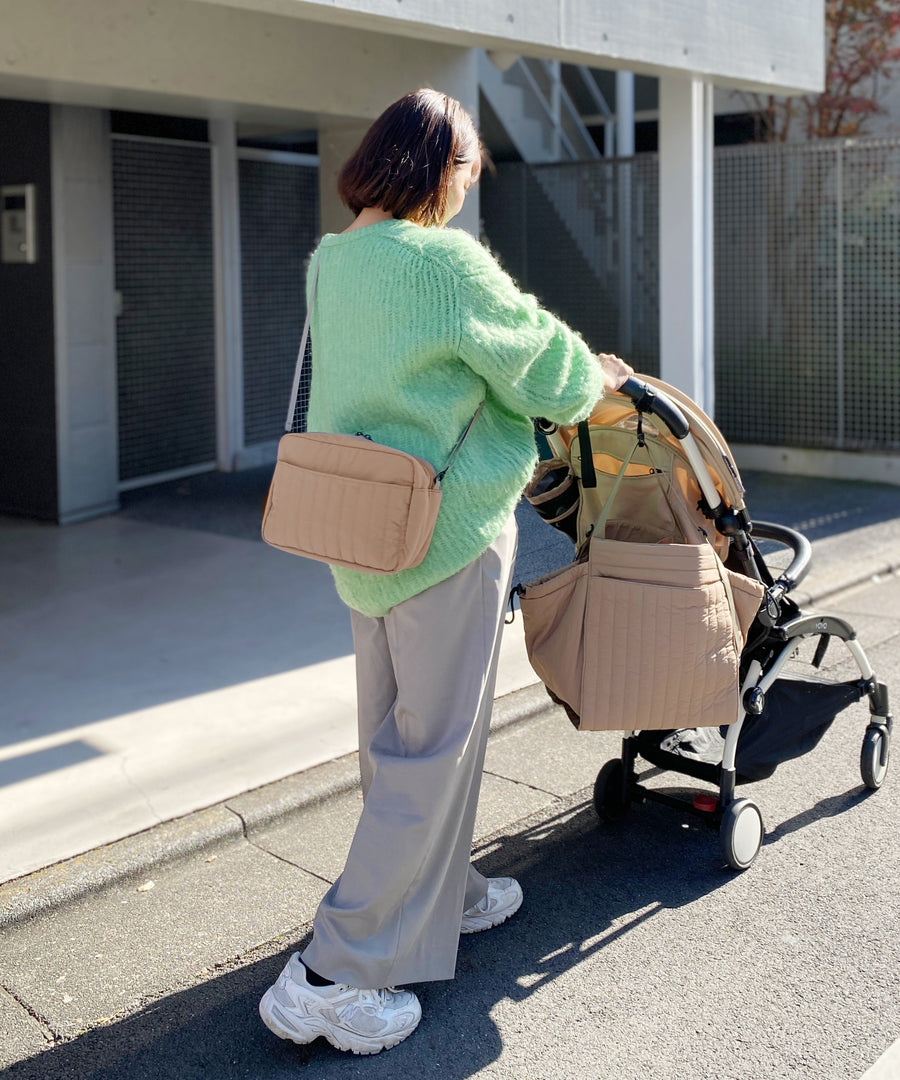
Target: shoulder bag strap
column 459, row 442
column 301, row 355
column 588, row 473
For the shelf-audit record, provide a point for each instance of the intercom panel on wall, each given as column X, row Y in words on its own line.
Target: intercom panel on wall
column 18, row 234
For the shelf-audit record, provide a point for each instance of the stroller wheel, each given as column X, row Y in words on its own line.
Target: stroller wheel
column 741, row 833
column 609, row 798
column 874, row 757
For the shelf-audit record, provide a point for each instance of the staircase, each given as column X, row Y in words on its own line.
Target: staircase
column 598, row 200
column 531, row 101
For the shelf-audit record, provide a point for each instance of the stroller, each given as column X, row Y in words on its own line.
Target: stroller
column 649, row 468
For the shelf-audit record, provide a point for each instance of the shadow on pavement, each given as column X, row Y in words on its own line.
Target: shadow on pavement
column 229, row 504
column 819, row 507
column 825, row 808
column 585, row 887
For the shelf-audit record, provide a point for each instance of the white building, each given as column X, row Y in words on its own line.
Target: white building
column 178, row 159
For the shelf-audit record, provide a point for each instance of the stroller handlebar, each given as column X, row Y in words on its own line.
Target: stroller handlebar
column 645, row 399
column 655, row 402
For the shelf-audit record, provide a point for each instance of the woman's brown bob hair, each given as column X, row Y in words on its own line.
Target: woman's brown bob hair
column 406, row 160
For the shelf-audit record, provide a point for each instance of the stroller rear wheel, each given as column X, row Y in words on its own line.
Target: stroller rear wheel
column 741, row 833
column 610, row 802
column 874, row 757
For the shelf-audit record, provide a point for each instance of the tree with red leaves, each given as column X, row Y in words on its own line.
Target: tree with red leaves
column 863, row 45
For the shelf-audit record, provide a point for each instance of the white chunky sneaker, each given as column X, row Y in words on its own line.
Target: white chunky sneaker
column 364, row 1021
column 503, row 898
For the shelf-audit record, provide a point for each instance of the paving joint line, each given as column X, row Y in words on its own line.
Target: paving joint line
column 42, row 1023
column 289, row 862
column 522, row 783
column 274, row 854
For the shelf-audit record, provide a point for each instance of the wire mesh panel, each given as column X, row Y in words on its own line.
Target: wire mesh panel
column 807, row 278
column 279, row 221
column 870, row 310
column 807, row 294
column 162, row 206
column 776, row 333
column 584, row 238
column 776, row 291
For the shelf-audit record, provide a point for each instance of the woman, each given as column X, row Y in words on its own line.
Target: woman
column 415, row 327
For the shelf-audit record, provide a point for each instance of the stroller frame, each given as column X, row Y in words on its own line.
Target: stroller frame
column 773, row 640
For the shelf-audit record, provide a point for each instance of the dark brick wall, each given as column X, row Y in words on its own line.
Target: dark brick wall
column 28, row 472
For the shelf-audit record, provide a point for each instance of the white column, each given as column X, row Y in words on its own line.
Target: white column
column 625, row 149
column 624, row 113
column 685, row 237
column 336, row 144
column 84, row 308
column 229, row 322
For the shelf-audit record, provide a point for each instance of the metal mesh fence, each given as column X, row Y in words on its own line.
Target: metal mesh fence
column 807, row 278
column 808, row 294
column 869, row 316
column 162, row 198
column 776, row 290
column 279, row 223
column 584, row 238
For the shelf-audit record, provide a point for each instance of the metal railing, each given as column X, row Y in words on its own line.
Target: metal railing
column 533, row 90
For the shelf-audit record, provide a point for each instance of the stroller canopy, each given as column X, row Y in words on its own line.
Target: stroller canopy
column 617, row 410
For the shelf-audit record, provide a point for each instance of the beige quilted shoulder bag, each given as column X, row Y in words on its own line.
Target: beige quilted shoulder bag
column 349, row 501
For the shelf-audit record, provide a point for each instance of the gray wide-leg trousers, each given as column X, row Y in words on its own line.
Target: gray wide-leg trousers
column 425, row 684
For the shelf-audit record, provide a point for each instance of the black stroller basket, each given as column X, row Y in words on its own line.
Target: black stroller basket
column 783, row 715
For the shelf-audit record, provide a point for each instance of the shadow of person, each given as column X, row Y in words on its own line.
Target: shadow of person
column 589, row 885
column 825, row 808
column 585, row 888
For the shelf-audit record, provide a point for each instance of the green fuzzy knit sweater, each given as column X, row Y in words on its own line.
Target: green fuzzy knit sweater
column 411, row 328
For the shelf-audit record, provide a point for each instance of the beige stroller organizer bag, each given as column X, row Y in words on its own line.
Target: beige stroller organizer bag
column 645, row 632
column 645, row 629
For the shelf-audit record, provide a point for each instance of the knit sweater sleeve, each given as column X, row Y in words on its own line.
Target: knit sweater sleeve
column 534, row 364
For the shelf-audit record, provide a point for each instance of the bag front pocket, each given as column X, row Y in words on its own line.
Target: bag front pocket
column 659, row 646
column 369, row 525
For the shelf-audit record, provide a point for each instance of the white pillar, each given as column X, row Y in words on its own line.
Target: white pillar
column 336, row 144
column 685, row 237
column 83, row 272
column 229, row 319
column 624, row 113
column 625, row 149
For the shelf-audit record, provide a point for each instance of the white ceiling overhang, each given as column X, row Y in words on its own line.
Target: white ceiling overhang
column 764, row 45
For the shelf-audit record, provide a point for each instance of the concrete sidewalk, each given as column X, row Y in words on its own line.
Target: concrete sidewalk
column 173, row 910
column 158, row 661
column 162, row 660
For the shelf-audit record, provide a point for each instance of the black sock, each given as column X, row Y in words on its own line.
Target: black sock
column 314, row 978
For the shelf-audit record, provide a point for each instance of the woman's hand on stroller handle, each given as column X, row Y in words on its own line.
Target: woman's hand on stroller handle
column 645, row 398
column 615, row 371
